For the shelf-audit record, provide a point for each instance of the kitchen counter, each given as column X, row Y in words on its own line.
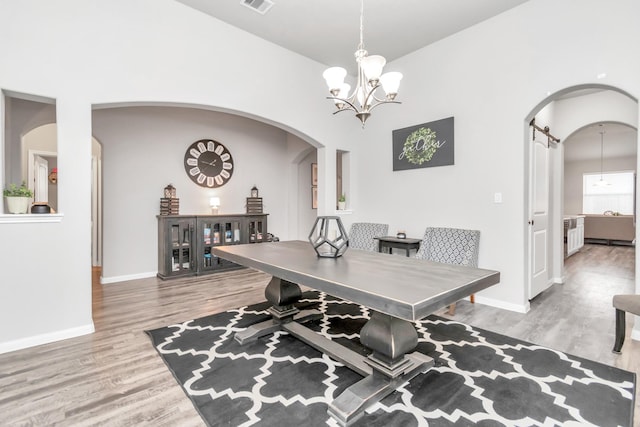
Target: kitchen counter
column 573, row 233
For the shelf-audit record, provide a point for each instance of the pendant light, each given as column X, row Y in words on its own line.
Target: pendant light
column 602, row 182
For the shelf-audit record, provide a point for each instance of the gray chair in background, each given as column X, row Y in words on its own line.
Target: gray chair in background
column 624, row 304
column 450, row 246
column 362, row 234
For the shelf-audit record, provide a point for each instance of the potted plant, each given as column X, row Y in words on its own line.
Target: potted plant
column 18, row 198
column 342, row 202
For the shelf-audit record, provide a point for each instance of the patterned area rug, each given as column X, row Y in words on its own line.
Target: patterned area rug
column 479, row 378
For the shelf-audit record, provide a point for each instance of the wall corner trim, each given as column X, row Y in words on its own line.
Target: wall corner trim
column 116, row 279
column 35, row 340
column 518, row 308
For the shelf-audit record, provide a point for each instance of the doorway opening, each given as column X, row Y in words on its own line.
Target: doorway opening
column 41, row 170
column 41, row 164
column 552, row 179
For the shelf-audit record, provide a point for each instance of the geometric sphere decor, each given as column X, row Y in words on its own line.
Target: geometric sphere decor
column 328, row 237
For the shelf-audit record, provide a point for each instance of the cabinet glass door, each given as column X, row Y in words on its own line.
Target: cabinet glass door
column 231, row 232
column 181, row 256
column 256, row 231
column 211, row 233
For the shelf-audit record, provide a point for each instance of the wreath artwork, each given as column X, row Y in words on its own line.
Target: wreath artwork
column 424, row 145
column 420, row 146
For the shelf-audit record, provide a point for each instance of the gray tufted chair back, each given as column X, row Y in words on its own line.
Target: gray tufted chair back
column 450, row 246
column 361, row 235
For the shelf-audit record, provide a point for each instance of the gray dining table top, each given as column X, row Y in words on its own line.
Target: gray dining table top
column 407, row 288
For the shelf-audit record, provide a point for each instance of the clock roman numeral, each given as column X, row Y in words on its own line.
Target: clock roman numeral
column 194, row 171
column 227, row 166
column 211, row 146
column 202, row 147
column 192, row 162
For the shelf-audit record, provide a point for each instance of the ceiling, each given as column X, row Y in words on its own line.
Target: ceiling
column 327, row 31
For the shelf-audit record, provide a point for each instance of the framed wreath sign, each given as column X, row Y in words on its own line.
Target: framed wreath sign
column 423, row 146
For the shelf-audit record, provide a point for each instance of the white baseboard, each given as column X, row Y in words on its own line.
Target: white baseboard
column 116, row 279
column 33, row 341
column 503, row 305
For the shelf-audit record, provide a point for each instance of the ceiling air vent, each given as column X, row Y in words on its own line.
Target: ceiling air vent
column 260, row 6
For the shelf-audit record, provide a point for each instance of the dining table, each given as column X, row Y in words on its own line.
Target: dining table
column 397, row 290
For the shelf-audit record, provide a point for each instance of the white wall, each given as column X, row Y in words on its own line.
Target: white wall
column 491, row 78
column 84, row 54
column 143, row 151
column 574, row 113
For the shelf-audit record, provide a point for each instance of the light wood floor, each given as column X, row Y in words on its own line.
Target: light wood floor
column 115, row 377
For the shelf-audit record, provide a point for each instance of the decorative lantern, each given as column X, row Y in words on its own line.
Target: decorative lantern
column 170, row 192
column 53, row 176
column 254, row 191
column 328, row 237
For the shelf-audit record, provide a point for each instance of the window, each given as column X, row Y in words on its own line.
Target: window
column 611, row 191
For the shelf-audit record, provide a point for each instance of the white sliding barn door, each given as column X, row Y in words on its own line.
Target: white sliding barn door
column 539, row 238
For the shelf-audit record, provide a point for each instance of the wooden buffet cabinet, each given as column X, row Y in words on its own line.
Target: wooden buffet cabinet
column 185, row 241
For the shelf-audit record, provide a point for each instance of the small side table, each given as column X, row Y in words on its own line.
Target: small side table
column 393, row 242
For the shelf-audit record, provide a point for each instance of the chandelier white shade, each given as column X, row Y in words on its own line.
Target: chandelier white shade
column 363, row 99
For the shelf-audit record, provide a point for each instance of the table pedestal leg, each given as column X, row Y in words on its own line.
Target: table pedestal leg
column 283, row 295
column 390, row 339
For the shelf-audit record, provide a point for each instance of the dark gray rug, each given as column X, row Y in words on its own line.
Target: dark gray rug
column 480, row 378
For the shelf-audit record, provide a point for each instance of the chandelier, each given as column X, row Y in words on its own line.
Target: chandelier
column 363, row 99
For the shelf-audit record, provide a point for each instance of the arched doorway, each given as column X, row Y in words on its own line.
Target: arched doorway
column 40, row 163
column 39, row 170
column 565, row 112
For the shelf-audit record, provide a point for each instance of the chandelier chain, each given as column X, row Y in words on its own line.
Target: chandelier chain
column 361, row 45
column 601, row 153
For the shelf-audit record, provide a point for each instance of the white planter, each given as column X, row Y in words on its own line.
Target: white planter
column 18, row 205
column 342, row 206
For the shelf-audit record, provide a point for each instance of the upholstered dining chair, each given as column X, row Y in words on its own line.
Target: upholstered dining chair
column 362, row 234
column 450, row 246
column 624, row 304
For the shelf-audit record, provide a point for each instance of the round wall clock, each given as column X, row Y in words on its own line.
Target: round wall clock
column 208, row 163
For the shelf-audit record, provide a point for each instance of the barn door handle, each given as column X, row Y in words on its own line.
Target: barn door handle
column 530, row 222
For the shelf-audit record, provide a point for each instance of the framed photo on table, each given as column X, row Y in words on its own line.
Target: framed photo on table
column 314, row 197
column 314, row 174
